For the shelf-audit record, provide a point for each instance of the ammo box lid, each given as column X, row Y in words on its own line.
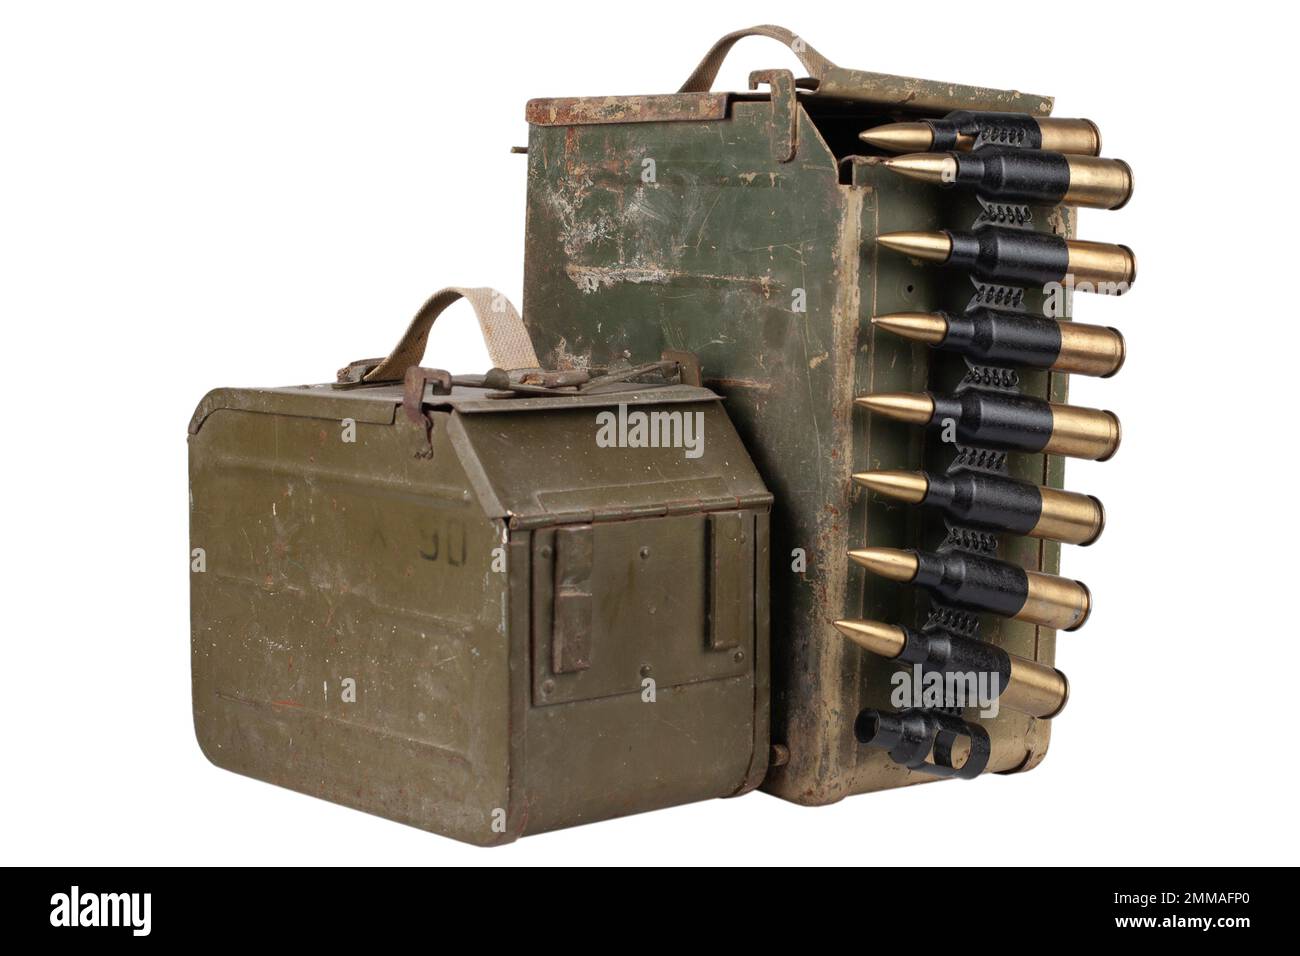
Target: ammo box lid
column 534, row 460
column 824, row 81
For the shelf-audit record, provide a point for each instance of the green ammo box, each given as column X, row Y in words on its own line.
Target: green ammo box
column 487, row 623
column 741, row 227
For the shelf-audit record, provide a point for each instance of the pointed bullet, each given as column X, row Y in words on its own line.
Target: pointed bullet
column 900, row 137
column 1018, row 175
column 925, row 167
column 914, row 408
column 988, row 419
column 995, row 337
column 977, row 583
column 883, row 639
column 964, row 130
column 889, row 563
column 909, row 486
column 928, row 327
column 930, row 246
column 1027, row 686
column 995, row 503
column 1017, row 257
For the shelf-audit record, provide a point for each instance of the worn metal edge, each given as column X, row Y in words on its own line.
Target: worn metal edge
column 921, row 95
column 653, row 108
column 379, row 407
column 297, row 402
column 665, row 395
column 518, row 618
column 469, row 461
column 761, row 758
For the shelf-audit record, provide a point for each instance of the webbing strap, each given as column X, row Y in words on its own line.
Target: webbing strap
column 508, row 344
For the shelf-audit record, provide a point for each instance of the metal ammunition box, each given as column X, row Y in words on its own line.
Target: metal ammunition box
column 479, row 618
column 488, row 627
column 741, row 227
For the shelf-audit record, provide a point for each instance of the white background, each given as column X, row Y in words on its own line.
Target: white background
column 197, row 195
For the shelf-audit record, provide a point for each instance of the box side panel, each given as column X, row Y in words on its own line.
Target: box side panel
column 348, row 632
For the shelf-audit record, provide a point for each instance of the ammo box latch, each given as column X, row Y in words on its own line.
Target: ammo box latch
column 731, row 604
column 571, row 629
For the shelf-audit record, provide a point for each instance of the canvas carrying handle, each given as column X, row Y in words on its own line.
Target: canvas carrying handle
column 508, row 344
column 701, row 81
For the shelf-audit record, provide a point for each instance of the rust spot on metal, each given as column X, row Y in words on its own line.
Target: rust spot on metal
column 562, row 358
column 417, row 380
column 664, row 108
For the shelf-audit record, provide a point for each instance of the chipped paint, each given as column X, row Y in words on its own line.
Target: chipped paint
column 593, row 278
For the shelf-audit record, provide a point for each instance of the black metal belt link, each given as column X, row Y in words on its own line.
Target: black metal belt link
column 925, row 739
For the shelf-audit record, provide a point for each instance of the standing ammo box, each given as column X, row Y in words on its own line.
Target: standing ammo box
column 741, row 227
column 485, row 627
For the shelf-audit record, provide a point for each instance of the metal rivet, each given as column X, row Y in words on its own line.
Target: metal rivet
column 644, row 552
